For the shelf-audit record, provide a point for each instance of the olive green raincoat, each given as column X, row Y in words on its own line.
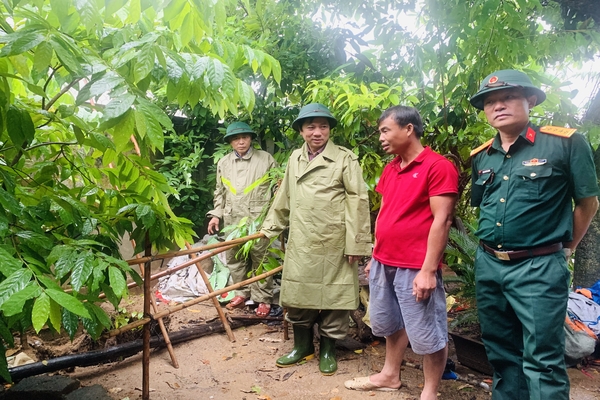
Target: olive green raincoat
column 325, row 204
column 230, row 202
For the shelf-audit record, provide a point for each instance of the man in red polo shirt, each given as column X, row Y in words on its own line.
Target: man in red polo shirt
column 419, row 189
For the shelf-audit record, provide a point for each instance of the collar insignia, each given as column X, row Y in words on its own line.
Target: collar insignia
column 535, row 162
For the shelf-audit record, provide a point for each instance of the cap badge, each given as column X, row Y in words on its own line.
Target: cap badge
column 493, row 79
column 534, row 162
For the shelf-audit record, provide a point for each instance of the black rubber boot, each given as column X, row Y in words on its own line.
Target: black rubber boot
column 327, row 361
column 303, row 350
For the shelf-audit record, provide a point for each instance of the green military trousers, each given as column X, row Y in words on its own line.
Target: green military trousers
column 522, row 306
column 333, row 324
column 239, row 268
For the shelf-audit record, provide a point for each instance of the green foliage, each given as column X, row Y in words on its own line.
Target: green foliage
column 437, row 65
column 460, row 258
column 80, row 122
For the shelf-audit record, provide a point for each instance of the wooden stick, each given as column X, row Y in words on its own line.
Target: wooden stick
column 215, row 302
column 192, row 302
column 146, row 351
column 162, row 326
column 195, row 249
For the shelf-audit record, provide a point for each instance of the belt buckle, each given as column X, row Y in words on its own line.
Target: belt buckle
column 502, row 255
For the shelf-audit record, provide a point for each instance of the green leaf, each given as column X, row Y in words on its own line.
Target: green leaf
column 6, row 334
column 70, row 321
column 144, row 62
column 105, row 84
column 69, row 302
column 154, row 131
column 145, row 213
column 101, row 142
column 55, row 315
column 14, row 283
column 216, row 73
column 92, row 327
column 117, row 281
column 48, row 282
column 20, row 42
column 110, row 295
column 81, row 270
column 14, row 305
column 246, row 95
column 42, row 57
column 66, row 55
column 118, row 106
column 9, row 202
column 8, row 264
column 41, row 312
column 36, row 240
column 228, row 183
column 4, row 365
column 100, row 315
column 20, row 126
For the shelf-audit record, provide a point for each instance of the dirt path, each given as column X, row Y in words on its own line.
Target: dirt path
column 214, row 368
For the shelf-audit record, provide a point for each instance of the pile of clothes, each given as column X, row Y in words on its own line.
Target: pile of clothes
column 582, row 325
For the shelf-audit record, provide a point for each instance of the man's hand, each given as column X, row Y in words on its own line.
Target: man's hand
column 213, row 225
column 368, row 268
column 353, row 259
column 424, row 284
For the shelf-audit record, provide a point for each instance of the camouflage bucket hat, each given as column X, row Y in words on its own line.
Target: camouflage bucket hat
column 238, row 128
column 506, row 79
column 314, row 110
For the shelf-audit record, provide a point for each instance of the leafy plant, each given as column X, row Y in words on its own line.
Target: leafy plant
column 78, row 81
column 460, row 258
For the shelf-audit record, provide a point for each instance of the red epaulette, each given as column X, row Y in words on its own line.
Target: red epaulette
column 558, row 131
column 482, row 147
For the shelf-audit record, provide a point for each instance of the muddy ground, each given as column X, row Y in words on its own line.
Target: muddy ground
column 212, row 367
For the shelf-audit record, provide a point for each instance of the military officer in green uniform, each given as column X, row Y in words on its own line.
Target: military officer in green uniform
column 537, row 193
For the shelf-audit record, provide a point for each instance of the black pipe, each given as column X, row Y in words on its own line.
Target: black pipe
column 119, row 351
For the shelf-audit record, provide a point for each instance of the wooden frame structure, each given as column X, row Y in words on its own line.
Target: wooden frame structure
column 145, row 268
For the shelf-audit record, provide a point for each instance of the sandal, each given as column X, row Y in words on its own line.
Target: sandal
column 236, row 302
column 263, row 310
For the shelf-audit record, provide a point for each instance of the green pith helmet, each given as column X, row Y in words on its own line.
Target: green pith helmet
column 314, row 110
column 238, row 128
column 506, row 79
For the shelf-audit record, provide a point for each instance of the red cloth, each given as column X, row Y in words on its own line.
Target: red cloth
column 405, row 219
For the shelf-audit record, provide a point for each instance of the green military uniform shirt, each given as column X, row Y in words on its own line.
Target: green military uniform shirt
column 526, row 196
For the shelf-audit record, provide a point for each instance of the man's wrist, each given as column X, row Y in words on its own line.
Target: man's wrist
column 568, row 251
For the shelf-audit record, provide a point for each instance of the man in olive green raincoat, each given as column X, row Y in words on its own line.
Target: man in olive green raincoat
column 235, row 173
column 323, row 200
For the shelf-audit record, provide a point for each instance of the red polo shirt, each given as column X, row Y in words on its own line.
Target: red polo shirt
column 405, row 219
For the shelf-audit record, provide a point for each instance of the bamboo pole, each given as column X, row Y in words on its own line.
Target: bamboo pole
column 195, row 249
column 163, row 328
column 215, row 302
column 179, row 307
column 146, row 352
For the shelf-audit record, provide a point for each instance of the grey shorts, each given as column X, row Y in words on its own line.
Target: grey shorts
column 393, row 307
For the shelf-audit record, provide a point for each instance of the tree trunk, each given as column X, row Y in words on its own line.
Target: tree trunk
column 587, row 257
